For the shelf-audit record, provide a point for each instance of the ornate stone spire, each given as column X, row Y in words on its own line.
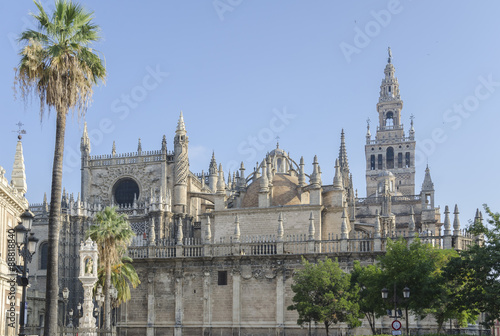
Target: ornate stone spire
column 237, row 228
column 139, row 147
column 456, row 222
column 280, row 227
column 212, row 169
column 85, row 142
column 221, row 184
column 208, row 231
column 113, row 149
column 411, row 224
column 447, row 222
column 337, row 180
column 315, row 178
column 18, row 177
column 343, row 161
column 181, row 127
column 344, row 233
column 311, row 226
column 242, row 181
column 427, row 185
column 164, row 143
column 302, row 174
column 264, row 182
column 389, row 89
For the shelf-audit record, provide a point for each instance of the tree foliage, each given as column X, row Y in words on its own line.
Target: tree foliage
column 476, row 272
column 323, row 294
column 370, row 281
column 112, row 233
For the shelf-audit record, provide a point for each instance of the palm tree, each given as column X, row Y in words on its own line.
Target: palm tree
column 112, row 233
column 122, row 276
column 58, row 66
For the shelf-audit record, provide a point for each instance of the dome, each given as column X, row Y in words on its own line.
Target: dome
column 285, row 192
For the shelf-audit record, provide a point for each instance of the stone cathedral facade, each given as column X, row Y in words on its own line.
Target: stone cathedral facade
column 216, row 255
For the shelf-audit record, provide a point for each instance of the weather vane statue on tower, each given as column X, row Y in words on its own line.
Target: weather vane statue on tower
column 390, row 54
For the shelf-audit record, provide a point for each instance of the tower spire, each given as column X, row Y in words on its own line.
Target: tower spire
column 18, row 179
column 85, row 142
column 343, row 161
column 181, row 127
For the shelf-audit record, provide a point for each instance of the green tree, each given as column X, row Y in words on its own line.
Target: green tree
column 122, row 276
column 476, row 271
column 58, row 66
column 369, row 279
column 113, row 234
column 323, row 293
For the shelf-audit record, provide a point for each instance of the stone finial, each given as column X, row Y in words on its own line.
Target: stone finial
column 302, row 174
column 180, row 235
column 264, row 182
column 243, row 181
column 447, row 222
column 208, row 231
column 237, row 232
column 343, row 228
column 212, row 170
column 411, row 224
column 280, row 227
column 85, row 141
column 139, row 147
column 343, row 160
column 202, row 178
column 456, row 222
column 164, row 143
column 113, row 149
column 221, row 185
column 337, row 180
column 311, row 226
column 427, row 185
column 315, row 176
column 18, row 177
column 181, row 127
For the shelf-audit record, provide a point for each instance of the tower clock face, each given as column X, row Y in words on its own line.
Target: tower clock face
column 396, row 325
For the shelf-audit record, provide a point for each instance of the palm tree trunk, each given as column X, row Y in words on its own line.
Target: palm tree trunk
column 107, row 306
column 52, row 286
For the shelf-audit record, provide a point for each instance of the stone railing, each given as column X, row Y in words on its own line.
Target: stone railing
column 295, row 245
column 128, row 158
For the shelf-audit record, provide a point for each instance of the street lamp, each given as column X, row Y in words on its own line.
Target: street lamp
column 70, row 313
column 26, row 247
column 113, row 292
column 99, row 297
column 406, row 295
column 65, row 294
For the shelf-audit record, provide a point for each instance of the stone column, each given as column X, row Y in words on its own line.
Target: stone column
column 179, row 309
column 236, row 301
column 150, row 331
column 280, row 301
column 207, row 302
column 88, row 277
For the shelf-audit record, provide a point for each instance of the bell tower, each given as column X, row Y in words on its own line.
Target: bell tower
column 391, row 150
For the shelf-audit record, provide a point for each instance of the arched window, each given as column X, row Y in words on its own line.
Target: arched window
column 379, row 161
column 407, row 160
column 390, row 158
column 400, row 160
column 372, row 162
column 44, row 251
column 389, row 119
column 125, row 190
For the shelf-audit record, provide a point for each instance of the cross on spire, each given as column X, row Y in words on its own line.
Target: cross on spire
column 20, row 130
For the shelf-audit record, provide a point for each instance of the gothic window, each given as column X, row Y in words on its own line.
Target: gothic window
column 43, row 250
column 278, row 163
column 407, row 159
column 400, row 160
column 379, row 161
column 372, row 162
column 222, row 278
column 389, row 119
column 390, row 158
column 125, row 190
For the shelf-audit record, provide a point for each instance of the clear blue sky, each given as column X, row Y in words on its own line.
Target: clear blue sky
column 234, row 65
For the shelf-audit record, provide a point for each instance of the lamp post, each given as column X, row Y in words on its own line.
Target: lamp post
column 26, row 247
column 406, row 295
column 65, row 294
column 99, row 297
column 70, row 313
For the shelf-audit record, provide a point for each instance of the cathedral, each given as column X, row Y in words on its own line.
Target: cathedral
column 217, row 255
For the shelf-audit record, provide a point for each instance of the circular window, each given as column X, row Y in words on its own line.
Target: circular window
column 125, row 190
